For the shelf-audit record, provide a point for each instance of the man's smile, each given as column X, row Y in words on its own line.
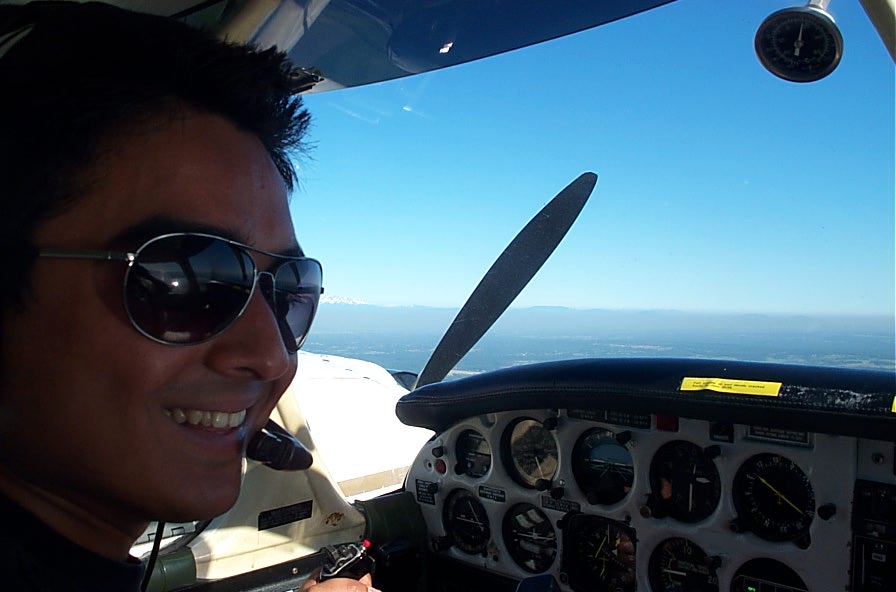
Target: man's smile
column 206, row 418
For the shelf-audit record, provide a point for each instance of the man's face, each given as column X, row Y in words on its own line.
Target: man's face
column 87, row 403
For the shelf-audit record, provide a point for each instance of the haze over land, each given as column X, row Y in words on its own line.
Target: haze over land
column 403, row 337
column 558, row 320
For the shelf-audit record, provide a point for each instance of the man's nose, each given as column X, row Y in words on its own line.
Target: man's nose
column 255, row 342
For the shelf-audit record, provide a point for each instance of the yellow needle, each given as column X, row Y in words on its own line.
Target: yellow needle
column 603, row 566
column 596, row 553
column 780, row 495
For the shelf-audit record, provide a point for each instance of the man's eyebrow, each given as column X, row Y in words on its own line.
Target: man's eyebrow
column 138, row 234
column 159, row 225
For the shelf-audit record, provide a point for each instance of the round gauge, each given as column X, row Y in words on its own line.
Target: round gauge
column 474, row 456
column 466, row 522
column 684, row 481
column 532, row 452
column 599, row 554
column 602, row 467
column 530, row 538
column 766, row 574
column 800, row 44
column 773, row 498
column 678, row 565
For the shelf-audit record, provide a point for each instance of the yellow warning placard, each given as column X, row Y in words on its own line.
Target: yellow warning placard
column 738, row 387
column 893, row 409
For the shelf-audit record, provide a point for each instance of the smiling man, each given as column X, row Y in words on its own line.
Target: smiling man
column 156, row 294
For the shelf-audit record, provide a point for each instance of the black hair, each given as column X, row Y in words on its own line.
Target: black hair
column 72, row 75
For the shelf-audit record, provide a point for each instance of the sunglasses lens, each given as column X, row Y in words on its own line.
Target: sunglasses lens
column 187, row 288
column 296, row 294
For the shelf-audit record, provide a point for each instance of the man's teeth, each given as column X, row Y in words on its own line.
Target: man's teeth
column 215, row 419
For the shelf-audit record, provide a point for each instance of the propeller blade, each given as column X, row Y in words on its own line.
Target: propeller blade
column 507, row 277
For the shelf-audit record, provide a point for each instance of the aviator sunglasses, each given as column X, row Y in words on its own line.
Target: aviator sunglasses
column 185, row 288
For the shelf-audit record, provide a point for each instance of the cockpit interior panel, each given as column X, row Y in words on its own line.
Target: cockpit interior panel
column 595, row 480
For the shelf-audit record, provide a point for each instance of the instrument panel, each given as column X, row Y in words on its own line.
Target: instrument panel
column 624, row 501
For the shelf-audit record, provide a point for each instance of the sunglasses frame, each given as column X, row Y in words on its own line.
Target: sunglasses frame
column 131, row 258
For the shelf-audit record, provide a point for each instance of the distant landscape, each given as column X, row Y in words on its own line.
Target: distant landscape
column 402, row 338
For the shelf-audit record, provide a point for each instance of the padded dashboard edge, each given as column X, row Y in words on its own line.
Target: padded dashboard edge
column 847, row 402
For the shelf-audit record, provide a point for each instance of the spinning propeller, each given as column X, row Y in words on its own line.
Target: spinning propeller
column 507, row 277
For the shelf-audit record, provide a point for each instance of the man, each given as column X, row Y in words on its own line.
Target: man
column 156, row 293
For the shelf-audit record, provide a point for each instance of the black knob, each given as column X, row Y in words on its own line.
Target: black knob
column 713, row 451
column 438, row 451
column 653, row 507
column 432, row 488
column 441, row 543
column 624, row 437
column 827, row 511
column 737, row 526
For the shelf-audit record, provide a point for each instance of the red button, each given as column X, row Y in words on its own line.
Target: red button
column 667, row 423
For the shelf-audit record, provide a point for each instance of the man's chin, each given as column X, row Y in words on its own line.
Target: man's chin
column 204, row 501
column 189, row 512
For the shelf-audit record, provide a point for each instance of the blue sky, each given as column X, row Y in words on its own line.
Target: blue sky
column 721, row 187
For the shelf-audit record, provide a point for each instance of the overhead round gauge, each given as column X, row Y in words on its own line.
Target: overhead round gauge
column 532, row 453
column 473, row 454
column 678, row 565
column 602, row 467
column 773, row 498
column 766, row 574
column 466, row 521
column 800, row 44
column 598, row 554
column 530, row 538
column 684, row 481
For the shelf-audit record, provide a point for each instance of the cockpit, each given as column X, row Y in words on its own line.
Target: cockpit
column 662, row 470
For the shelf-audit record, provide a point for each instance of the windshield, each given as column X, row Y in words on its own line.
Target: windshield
column 736, row 215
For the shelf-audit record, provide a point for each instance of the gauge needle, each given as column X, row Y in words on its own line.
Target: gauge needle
column 603, row 567
column 694, row 480
column 475, row 519
column 798, row 44
column 780, row 495
column 597, row 553
column 691, row 497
